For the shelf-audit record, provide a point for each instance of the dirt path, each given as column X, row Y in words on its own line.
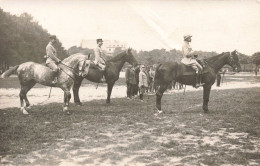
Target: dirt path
column 182, row 135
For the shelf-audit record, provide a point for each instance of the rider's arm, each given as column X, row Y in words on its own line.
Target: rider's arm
column 97, row 55
column 187, row 51
column 50, row 53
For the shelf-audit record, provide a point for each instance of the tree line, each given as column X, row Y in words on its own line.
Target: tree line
column 162, row 55
column 22, row 39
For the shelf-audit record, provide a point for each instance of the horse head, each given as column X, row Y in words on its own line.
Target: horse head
column 233, row 61
column 130, row 58
column 83, row 67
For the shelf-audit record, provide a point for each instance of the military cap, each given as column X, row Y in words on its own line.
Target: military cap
column 187, row 36
column 52, row 37
column 99, row 40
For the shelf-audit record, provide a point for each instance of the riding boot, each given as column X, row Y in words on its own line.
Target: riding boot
column 198, row 81
column 55, row 80
column 103, row 79
column 141, row 97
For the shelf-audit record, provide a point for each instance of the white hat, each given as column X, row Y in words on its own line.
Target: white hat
column 187, row 36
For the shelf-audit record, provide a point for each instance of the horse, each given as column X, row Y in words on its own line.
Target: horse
column 111, row 73
column 30, row 73
column 167, row 72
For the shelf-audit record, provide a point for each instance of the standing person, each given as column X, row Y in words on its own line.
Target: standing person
column 99, row 59
column 130, row 81
column 190, row 60
column 219, row 77
column 143, row 81
column 52, row 60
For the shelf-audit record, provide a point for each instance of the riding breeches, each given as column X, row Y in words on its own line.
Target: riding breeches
column 193, row 63
column 53, row 66
column 102, row 66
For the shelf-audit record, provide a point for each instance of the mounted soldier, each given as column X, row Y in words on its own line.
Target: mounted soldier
column 189, row 59
column 51, row 58
column 99, row 59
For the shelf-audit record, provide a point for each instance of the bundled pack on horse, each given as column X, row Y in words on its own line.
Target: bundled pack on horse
column 111, row 73
column 167, row 72
column 30, row 73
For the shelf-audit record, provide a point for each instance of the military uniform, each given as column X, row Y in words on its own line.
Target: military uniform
column 130, row 81
column 52, row 57
column 143, row 82
column 188, row 57
column 99, row 60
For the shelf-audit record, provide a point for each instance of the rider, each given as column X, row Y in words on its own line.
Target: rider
column 99, row 59
column 189, row 58
column 52, row 59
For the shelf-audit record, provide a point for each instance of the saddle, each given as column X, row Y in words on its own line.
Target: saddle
column 186, row 70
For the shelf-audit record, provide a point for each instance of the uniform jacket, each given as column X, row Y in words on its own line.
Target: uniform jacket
column 98, row 56
column 143, row 79
column 51, row 54
column 130, row 76
column 187, row 50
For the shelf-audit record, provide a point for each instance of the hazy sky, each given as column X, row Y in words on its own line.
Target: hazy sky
column 145, row 25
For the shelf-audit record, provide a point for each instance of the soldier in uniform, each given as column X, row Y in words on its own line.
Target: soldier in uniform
column 130, row 81
column 52, row 59
column 99, row 59
column 143, row 81
column 189, row 58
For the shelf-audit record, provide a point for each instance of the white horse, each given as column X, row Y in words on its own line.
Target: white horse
column 30, row 73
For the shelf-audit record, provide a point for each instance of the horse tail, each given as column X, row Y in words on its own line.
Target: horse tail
column 10, row 71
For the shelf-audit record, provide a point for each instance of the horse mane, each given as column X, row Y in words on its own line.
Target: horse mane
column 74, row 57
column 117, row 57
column 214, row 58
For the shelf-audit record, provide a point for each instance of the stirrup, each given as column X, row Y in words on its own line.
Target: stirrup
column 103, row 80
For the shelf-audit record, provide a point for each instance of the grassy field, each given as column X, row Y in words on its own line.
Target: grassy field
column 126, row 132
column 13, row 82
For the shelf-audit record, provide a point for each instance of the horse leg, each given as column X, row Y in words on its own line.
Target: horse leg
column 67, row 96
column 159, row 95
column 24, row 89
column 109, row 90
column 206, row 93
column 76, row 86
column 28, row 87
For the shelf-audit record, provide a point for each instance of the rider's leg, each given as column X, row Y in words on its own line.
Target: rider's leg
column 55, row 69
column 195, row 67
column 103, row 79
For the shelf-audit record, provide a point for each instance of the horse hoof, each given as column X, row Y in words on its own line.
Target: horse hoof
column 24, row 111
column 28, row 107
column 78, row 104
column 65, row 109
column 68, row 113
column 206, row 111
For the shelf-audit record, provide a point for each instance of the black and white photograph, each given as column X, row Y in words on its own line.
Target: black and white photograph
column 129, row 82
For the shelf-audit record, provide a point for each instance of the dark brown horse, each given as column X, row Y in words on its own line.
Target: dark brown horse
column 112, row 71
column 167, row 72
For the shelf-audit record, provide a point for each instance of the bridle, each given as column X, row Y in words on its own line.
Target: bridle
column 73, row 70
column 231, row 60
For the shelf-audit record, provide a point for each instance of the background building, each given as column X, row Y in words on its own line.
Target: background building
column 108, row 47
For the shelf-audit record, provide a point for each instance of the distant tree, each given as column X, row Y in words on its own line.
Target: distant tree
column 22, row 39
column 117, row 51
column 256, row 61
